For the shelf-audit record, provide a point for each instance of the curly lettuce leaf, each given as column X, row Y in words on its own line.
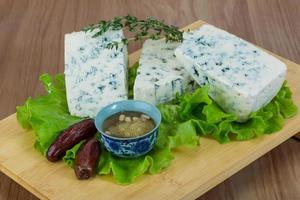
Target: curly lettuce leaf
column 284, row 99
column 210, row 120
column 183, row 121
column 69, row 158
column 47, row 115
column 125, row 171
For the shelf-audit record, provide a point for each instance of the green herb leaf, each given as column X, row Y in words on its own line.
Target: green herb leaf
column 142, row 29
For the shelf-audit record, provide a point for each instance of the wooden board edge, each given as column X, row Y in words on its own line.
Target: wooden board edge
column 14, row 176
column 22, row 182
column 258, row 153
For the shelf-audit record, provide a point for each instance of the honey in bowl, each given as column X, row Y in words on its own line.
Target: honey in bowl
column 128, row 124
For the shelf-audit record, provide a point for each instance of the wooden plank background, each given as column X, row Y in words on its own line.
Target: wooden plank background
column 31, row 41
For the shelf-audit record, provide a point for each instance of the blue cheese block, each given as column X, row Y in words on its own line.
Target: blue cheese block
column 160, row 76
column 95, row 76
column 242, row 77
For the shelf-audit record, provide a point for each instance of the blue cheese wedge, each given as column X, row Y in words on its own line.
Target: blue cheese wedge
column 160, row 76
column 95, row 76
column 242, row 77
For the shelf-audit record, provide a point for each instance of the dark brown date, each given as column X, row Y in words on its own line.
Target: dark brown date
column 70, row 137
column 87, row 159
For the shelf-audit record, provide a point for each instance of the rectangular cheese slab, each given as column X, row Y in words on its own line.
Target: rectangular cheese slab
column 160, row 75
column 242, row 77
column 95, row 76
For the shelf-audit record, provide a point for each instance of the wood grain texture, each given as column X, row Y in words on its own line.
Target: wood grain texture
column 191, row 174
column 31, row 40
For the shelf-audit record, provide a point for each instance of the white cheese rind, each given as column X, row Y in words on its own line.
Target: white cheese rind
column 160, row 76
column 95, row 76
column 242, row 77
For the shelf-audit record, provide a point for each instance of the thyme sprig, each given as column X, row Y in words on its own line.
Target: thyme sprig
column 143, row 29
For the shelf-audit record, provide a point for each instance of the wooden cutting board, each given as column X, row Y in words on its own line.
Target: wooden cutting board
column 192, row 173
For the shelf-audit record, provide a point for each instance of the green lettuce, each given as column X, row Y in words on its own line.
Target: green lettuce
column 184, row 120
column 209, row 120
column 69, row 158
column 47, row 115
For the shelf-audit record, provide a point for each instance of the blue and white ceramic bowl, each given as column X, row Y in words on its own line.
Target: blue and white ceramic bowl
column 129, row 147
